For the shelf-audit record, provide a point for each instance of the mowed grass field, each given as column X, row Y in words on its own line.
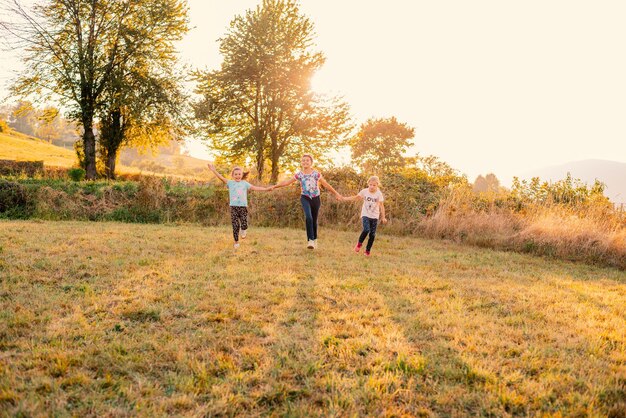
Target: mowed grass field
column 106, row 319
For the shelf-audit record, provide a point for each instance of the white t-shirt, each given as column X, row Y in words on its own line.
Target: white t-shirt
column 370, row 203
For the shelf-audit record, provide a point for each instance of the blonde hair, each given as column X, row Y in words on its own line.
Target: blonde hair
column 309, row 156
column 374, row 178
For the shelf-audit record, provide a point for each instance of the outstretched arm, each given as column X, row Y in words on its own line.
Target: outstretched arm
column 284, row 183
column 261, row 189
column 329, row 187
column 218, row 175
column 351, row 198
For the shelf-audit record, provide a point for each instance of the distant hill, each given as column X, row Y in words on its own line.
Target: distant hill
column 611, row 173
column 16, row 146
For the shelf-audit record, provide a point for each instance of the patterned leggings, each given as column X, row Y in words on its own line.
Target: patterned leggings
column 239, row 218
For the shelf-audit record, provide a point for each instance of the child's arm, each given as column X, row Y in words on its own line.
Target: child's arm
column 283, row 183
column 383, row 219
column 261, row 189
column 219, row 176
column 351, row 198
column 329, row 187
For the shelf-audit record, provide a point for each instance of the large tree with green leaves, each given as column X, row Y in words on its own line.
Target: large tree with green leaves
column 143, row 101
column 141, row 110
column 74, row 48
column 380, row 144
column 259, row 104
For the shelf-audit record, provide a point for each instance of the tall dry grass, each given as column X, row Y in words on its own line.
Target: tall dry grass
column 591, row 231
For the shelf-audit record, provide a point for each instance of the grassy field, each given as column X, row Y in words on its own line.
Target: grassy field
column 16, row 146
column 123, row 319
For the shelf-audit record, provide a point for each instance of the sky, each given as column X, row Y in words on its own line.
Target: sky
column 489, row 85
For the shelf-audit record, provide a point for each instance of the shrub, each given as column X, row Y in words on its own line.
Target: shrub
column 76, row 174
column 21, row 168
column 3, row 126
column 14, row 201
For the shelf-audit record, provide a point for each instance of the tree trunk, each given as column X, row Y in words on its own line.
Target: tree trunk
column 89, row 144
column 275, row 170
column 112, row 136
column 260, row 157
column 260, row 163
column 110, row 165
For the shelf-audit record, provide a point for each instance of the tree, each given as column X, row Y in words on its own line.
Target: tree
column 259, row 104
column 380, row 144
column 488, row 183
column 73, row 49
column 480, row 184
column 51, row 126
column 433, row 166
column 24, row 118
column 143, row 100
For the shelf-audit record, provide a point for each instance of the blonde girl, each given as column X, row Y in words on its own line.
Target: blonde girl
column 238, row 193
column 372, row 210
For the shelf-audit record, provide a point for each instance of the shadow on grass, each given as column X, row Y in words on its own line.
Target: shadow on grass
column 289, row 379
column 493, row 354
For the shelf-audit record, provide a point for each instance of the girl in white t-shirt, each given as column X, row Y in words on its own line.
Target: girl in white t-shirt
column 372, row 210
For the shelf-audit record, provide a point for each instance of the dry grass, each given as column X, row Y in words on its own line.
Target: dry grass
column 105, row 319
column 15, row 146
column 593, row 232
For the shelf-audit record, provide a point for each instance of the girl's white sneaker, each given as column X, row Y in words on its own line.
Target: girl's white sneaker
column 311, row 244
column 315, row 244
column 243, row 233
column 236, row 245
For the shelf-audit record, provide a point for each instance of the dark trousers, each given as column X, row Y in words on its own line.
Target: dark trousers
column 239, row 219
column 311, row 208
column 369, row 227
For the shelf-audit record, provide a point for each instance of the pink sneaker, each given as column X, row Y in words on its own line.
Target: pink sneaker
column 367, row 253
column 357, row 247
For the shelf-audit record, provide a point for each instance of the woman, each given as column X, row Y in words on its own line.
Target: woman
column 310, row 197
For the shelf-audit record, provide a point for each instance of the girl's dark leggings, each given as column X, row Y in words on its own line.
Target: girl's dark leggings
column 311, row 208
column 369, row 227
column 239, row 218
